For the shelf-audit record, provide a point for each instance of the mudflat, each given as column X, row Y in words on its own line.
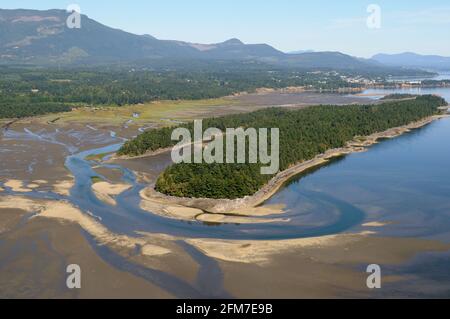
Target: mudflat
column 41, row 236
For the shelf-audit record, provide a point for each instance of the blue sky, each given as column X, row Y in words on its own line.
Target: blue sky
column 418, row 26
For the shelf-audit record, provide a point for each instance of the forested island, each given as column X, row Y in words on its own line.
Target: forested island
column 304, row 134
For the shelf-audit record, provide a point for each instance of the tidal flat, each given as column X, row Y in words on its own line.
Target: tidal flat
column 317, row 243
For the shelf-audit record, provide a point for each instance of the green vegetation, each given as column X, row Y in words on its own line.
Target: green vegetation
column 10, row 108
column 398, row 96
column 303, row 135
column 33, row 91
column 96, row 179
column 27, row 92
column 96, row 157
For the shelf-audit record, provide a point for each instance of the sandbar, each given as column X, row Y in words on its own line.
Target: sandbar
column 106, row 191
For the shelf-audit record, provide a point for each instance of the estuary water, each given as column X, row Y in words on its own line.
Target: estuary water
column 403, row 182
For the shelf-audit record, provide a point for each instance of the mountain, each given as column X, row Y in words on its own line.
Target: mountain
column 409, row 59
column 329, row 60
column 235, row 48
column 42, row 38
column 301, row 51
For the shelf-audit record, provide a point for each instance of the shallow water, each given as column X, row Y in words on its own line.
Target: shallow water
column 403, row 181
column 439, row 77
column 379, row 93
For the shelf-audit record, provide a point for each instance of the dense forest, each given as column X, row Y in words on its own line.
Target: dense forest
column 29, row 91
column 303, row 135
column 20, row 109
column 399, row 96
column 33, row 91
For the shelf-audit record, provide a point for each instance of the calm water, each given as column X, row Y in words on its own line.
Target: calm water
column 444, row 92
column 438, row 77
column 379, row 93
column 404, row 181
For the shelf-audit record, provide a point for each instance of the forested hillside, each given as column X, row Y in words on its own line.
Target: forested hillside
column 303, row 135
column 36, row 37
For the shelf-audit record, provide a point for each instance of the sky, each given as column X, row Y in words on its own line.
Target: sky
column 288, row 25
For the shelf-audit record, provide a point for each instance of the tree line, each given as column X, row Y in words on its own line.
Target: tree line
column 37, row 91
column 304, row 134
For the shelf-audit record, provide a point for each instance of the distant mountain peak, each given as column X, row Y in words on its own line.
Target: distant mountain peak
column 233, row 41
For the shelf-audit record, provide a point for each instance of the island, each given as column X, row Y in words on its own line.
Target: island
column 308, row 137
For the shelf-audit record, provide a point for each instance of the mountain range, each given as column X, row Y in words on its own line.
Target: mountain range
column 42, row 38
column 413, row 60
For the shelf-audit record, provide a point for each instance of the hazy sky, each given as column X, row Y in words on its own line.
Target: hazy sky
column 419, row 26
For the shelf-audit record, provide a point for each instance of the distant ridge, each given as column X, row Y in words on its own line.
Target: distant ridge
column 42, row 38
column 410, row 59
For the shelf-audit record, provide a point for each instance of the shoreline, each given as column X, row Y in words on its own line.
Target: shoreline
column 227, row 206
column 6, row 122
